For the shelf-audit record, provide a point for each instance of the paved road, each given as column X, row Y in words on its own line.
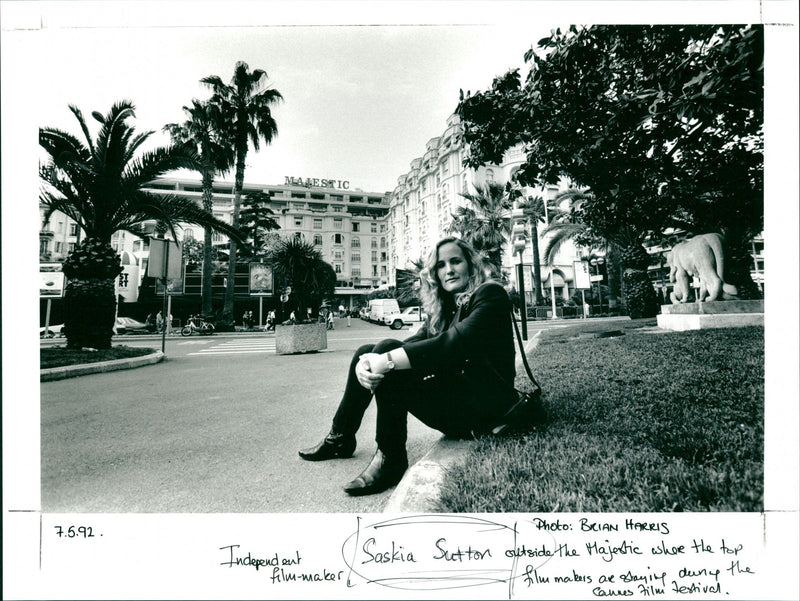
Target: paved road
column 214, row 428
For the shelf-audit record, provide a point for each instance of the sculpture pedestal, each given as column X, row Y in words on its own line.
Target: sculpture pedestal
column 714, row 314
column 300, row 338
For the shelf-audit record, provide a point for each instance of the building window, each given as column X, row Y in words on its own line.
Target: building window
column 383, row 228
column 317, row 239
column 373, row 228
column 337, row 224
column 73, row 229
column 383, row 270
column 383, row 242
column 383, row 255
column 374, row 270
column 338, row 255
column 58, row 247
column 374, row 243
column 298, row 222
column 355, row 226
column 44, row 247
column 337, row 267
column 374, row 256
column 356, row 272
column 355, row 243
column 355, row 258
column 188, row 235
column 337, row 209
column 71, row 247
column 318, row 224
column 337, row 238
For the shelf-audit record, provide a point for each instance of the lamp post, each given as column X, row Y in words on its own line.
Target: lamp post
column 597, row 262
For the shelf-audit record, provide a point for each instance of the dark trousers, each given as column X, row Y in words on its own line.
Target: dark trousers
column 442, row 403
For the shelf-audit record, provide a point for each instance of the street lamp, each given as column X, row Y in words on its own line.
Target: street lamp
column 597, row 262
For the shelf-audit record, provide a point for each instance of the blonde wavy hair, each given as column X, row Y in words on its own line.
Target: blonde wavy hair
column 435, row 300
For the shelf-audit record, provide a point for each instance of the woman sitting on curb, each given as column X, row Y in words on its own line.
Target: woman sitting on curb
column 453, row 375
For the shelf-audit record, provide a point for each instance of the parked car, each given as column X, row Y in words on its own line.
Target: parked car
column 51, row 331
column 128, row 325
column 407, row 317
column 363, row 313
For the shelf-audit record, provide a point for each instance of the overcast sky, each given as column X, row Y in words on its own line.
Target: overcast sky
column 360, row 102
column 366, row 84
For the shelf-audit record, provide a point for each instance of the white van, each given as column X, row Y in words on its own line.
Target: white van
column 380, row 307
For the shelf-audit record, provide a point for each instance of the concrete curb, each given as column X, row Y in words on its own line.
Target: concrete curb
column 71, row 371
column 421, row 486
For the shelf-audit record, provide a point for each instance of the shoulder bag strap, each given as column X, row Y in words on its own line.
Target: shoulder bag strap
column 522, row 352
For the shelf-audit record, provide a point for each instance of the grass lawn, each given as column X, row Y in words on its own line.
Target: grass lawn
column 640, row 421
column 59, row 356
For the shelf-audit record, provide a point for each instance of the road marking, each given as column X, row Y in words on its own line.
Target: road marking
column 194, row 342
column 233, row 347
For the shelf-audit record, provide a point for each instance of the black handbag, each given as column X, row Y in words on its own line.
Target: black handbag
column 528, row 413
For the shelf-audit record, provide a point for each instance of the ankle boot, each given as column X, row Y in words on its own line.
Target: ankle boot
column 382, row 472
column 333, row 445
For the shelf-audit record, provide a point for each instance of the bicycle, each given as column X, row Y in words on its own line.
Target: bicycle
column 199, row 325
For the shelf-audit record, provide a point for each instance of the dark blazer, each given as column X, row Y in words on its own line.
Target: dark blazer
column 477, row 345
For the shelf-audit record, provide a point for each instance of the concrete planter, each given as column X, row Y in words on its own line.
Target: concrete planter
column 300, row 338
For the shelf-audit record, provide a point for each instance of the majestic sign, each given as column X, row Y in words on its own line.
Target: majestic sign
column 313, row 182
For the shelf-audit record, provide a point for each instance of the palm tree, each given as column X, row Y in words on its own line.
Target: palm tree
column 565, row 226
column 534, row 209
column 201, row 132
column 99, row 185
column 299, row 265
column 245, row 107
column 486, row 223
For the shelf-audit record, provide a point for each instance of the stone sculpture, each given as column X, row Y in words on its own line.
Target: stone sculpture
column 702, row 257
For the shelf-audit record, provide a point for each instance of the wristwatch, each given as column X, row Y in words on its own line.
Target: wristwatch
column 389, row 362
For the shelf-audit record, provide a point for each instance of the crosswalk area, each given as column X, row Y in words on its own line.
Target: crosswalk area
column 238, row 347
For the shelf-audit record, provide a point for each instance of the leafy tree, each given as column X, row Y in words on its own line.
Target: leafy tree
column 256, row 221
column 98, row 183
column 485, row 223
column 300, row 265
column 663, row 124
column 245, row 108
column 202, row 133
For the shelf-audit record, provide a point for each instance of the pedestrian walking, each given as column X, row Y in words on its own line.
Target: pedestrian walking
column 159, row 322
column 329, row 320
column 455, row 375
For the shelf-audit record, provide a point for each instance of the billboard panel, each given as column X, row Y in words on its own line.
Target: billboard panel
column 51, row 280
column 261, row 280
